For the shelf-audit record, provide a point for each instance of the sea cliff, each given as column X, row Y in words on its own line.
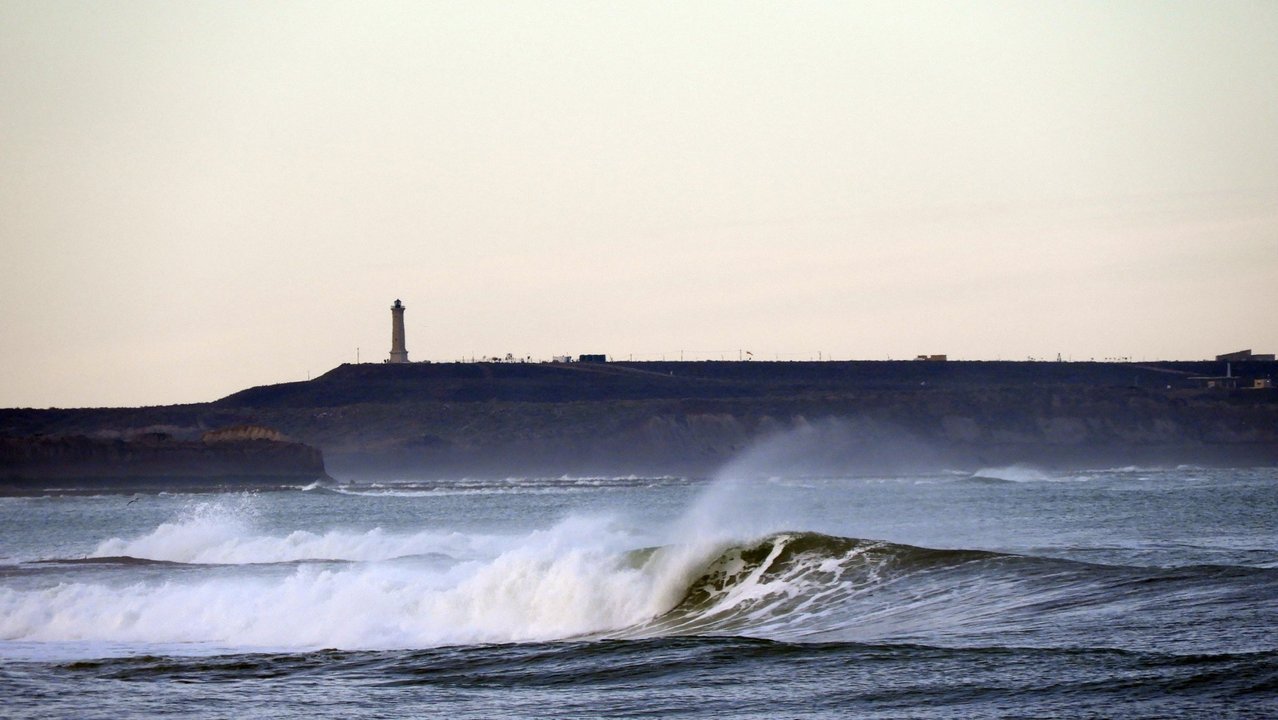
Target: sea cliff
column 237, row 457
column 468, row 419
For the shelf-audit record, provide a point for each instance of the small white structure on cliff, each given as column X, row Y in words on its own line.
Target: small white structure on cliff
column 398, row 353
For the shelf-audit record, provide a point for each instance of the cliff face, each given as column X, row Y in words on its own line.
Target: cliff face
column 865, row 432
column 79, row 461
column 698, row 418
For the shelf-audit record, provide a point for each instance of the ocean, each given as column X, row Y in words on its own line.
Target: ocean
column 1010, row 592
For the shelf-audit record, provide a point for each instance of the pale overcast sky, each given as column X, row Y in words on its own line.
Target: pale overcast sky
column 198, row 197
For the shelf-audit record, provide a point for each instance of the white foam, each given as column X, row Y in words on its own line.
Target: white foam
column 221, row 533
column 451, row 491
column 579, row 577
column 576, row 578
column 1013, row 473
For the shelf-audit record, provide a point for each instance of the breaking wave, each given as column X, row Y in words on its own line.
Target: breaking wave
column 585, row 578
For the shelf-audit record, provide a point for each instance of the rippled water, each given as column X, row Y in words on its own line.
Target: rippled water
column 1129, row 592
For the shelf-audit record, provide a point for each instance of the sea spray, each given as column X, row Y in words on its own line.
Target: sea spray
column 743, row 502
column 225, row 532
column 419, row 588
column 576, row 578
column 188, row 538
column 202, row 542
column 833, row 447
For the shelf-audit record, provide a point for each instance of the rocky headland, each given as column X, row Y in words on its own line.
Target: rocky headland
column 238, row 456
column 427, row 420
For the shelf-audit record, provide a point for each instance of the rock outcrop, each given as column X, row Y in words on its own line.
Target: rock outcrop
column 77, row 461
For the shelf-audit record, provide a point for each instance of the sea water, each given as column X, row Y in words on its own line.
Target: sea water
column 1010, row 592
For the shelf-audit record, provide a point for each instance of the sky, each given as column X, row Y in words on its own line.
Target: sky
column 200, row 197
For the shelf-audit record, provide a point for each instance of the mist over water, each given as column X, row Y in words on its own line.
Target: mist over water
column 834, row 447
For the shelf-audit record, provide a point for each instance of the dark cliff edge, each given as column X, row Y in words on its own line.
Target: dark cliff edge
column 701, row 418
column 153, row 460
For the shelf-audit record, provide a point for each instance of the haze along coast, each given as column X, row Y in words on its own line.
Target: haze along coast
column 588, row 416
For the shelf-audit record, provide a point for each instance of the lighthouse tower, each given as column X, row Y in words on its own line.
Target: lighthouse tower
column 398, row 353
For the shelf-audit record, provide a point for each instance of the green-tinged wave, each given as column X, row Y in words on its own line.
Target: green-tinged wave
column 797, row 579
column 809, row 586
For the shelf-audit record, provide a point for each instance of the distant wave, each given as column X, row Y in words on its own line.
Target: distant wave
column 447, row 491
column 507, row 486
column 1011, row 474
column 220, row 533
column 108, row 560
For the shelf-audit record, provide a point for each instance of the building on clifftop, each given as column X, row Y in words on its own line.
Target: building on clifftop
column 398, row 353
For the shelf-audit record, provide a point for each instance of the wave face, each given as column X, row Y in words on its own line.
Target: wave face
column 792, row 585
column 807, row 587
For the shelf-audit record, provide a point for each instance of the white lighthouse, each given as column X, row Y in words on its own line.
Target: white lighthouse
column 398, row 353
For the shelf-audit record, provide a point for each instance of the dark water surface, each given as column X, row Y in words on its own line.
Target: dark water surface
column 1009, row 593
